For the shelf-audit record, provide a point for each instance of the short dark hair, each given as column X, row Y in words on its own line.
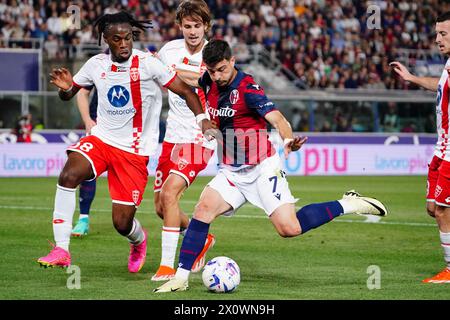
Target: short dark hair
column 215, row 51
column 443, row 17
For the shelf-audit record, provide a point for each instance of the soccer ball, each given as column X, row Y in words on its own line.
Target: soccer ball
column 221, row 274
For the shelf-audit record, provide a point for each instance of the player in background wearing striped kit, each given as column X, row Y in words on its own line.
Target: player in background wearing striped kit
column 438, row 181
column 185, row 151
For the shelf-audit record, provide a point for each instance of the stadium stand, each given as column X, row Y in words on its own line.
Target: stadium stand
column 302, row 44
column 325, row 43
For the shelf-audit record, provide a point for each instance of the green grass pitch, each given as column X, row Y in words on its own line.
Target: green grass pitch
column 331, row 262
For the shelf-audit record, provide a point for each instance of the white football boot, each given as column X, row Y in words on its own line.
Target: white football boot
column 173, row 285
column 365, row 205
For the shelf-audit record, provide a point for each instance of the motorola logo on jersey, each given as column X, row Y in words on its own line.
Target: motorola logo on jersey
column 118, row 96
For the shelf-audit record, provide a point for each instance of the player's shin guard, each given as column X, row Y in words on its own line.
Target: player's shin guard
column 169, row 243
column 136, row 235
column 87, row 194
column 317, row 214
column 65, row 203
column 193, row 243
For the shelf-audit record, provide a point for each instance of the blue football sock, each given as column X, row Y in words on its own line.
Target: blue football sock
column 87, row 194
column 193, row 243
column 317, row 214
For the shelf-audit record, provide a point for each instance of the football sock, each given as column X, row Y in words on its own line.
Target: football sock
column 169, row 243
column 183, row 230
column 83, row 216
column 193, row 243
column 348, row 206
column 317, row 214
column 136, row 236
column 87, row 194
column 445, row 243
column 65, row 203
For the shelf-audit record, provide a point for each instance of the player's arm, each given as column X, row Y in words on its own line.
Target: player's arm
column 193, row 102
column 83, row 107
column 189, row 77
column 279, row 122
column 62, row 78
column 428, row 83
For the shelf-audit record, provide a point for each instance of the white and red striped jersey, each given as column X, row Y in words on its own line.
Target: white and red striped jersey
column 129, row 99
column 442, row 149
column 181, row 124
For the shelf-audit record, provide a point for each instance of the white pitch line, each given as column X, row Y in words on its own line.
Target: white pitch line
column 244, row 216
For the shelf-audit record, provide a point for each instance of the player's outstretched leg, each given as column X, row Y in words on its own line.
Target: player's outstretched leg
column 314, row 215
column 86, row 197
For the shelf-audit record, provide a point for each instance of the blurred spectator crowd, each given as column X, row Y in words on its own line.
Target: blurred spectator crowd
column 326, row 43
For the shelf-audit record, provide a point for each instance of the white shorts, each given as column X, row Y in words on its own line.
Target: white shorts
column 263, row 185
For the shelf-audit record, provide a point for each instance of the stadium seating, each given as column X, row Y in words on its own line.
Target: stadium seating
column 326, row 44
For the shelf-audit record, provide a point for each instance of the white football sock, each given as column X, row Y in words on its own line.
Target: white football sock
column 182, row 274
column 65, row 203
column 83, row 216
column 169, row 243
column 347, row 206
column 445, row 243
column 136, row 236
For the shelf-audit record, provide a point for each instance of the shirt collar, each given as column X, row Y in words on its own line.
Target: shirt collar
column 237, row 80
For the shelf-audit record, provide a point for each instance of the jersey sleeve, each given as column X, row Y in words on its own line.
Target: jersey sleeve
column 83, row 78
column 160, row 72
column 257, row 100
column 204, row 81
column 162, row 55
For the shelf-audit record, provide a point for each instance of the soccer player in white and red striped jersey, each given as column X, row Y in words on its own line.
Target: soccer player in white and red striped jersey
column 185, row 151
column 438, row 182
column 126, row 133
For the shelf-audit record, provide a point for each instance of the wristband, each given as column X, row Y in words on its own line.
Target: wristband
column 287, row 141
column 68, row 90
column 200, row 117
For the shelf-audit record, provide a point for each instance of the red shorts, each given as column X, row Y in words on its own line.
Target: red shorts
column 127, row 172
column 438, row 182
column 184, row 159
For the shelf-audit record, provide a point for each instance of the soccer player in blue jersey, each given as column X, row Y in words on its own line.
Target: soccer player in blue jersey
column 250, row 168
column 88, row 112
